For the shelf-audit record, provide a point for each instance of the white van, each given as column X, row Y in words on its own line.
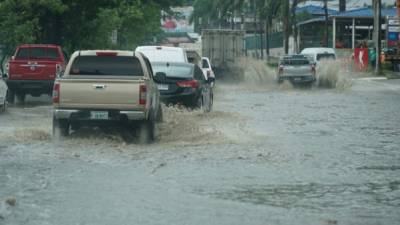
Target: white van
column 318, row 54
column 163, row 53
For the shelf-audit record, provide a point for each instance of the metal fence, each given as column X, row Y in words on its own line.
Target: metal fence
column 253, row 42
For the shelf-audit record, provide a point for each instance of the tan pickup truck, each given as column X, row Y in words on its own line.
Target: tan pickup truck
column 104, row 88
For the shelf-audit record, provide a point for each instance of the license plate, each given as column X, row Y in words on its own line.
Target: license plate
column 99, row 115
column 163, row 87
column 297, row 79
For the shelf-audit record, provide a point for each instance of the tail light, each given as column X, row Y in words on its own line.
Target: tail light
column 142, row 94
column 56, row 92
column 188, row 84
column 106, row 53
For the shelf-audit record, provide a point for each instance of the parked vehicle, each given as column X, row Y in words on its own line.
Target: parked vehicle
column 33, row 69
column 102, row 88
column 297, row 69
column 224, row 48
column 163, row 53
column 183, row 83
column 3, row 94
column 318, row 54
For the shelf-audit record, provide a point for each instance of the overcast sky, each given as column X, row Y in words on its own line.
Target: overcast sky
column 350, row 3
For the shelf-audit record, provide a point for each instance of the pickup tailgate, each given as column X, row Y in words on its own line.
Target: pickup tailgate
column 100, row 94
column 296, row 70
column 32, row 70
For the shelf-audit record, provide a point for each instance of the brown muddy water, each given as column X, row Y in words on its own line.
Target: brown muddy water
column 267, row 154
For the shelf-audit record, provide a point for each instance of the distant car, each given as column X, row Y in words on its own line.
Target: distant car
column 3, row 94
column 183, row 83
column 318, row 54
column 297, row 69
column 163, row 53
column 33, row 69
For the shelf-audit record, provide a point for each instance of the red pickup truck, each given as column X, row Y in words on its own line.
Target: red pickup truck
column 33, row 69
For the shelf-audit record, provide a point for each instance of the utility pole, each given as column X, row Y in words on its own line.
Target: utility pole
column 326, row 23
column 377, row 34
column 286, row 25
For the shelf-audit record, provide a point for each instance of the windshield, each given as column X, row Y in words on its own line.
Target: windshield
column 178, row 71
column 37, row 53
column 205, row 64
column 105, row 65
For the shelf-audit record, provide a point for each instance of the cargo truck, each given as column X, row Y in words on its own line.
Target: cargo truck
column 224, row 48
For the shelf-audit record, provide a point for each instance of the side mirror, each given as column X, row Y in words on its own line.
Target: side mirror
column 160, row 77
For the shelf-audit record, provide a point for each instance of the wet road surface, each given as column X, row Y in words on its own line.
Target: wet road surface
column 265, row 155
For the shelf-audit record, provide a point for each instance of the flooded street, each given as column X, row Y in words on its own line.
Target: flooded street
column 265, row 155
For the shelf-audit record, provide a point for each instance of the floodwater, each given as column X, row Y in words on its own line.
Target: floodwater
column 267, row 154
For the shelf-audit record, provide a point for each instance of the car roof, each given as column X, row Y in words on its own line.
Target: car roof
column 157, row 47
column 318, row 50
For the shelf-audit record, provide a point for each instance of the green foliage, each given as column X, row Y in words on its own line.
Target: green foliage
column 78, row 24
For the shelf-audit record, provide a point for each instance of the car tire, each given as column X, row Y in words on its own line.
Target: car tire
column 160, row 116
column 207, row 104
column 146, row 132
column 60, row 128
column 21, row 97
column 11, row 97
column 199, row 104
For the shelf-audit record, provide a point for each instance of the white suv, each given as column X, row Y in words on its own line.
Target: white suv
column 163, row 54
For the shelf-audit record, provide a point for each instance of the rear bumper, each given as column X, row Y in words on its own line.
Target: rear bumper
column 84, row 115
column 298, row 78
column 187, row 99
column 31, row 86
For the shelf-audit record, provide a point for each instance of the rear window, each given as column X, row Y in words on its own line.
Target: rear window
column 329, row 56
column 295, row 62
column 179, row 71
column 107, row 65
column 37, row 53
column 205, row 64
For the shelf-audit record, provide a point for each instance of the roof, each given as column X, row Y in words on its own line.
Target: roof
column 315, row 10
column 319, row 19
column 362, row 13
column 365, row 13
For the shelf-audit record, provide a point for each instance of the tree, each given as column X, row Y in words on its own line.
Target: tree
column 77, row 24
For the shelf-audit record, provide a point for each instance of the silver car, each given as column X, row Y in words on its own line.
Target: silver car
column 296, row 69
